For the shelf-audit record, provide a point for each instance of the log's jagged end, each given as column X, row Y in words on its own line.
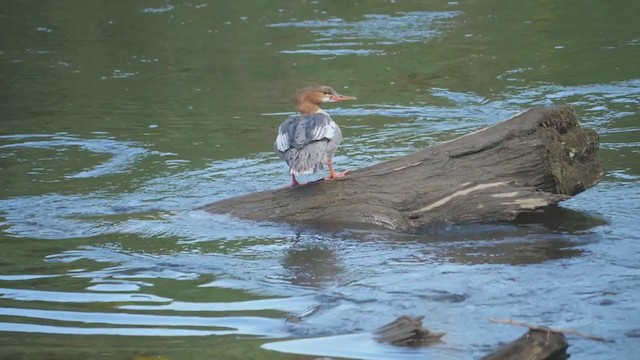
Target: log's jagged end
column 560, row 118
column 572, row 152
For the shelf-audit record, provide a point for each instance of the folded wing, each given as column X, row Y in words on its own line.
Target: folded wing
column 305, row 142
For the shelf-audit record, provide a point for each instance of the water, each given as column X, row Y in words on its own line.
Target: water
column 118, row 119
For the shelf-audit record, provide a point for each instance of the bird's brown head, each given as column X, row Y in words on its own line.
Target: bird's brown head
column 309, row 99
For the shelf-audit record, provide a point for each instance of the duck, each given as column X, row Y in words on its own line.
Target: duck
column 308, row 140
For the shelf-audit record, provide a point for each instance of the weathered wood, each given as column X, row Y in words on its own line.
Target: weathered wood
column 534, row 345
column 547, row 329
column 406, row 331
column 536, row 158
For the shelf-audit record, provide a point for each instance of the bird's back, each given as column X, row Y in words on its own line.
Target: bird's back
column 306, row 141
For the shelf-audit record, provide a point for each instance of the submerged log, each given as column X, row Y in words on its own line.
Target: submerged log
column 534, row 345
column 536, row 158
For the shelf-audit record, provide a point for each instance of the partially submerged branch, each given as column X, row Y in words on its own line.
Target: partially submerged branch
column 534, row 345
column 407, row 331
column 547, row 329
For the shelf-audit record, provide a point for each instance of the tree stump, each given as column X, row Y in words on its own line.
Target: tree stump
column 536, row 158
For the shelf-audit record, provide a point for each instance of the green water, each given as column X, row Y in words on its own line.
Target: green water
column 119, row 118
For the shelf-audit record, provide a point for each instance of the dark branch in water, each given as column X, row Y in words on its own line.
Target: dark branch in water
column 547, row 329
column 407, row 331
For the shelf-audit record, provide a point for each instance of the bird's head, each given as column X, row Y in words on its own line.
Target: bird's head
column 309, row 99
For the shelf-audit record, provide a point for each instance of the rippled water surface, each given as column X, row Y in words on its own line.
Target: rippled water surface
column 120, row 118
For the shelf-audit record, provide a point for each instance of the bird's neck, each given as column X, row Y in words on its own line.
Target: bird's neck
column 308, row 108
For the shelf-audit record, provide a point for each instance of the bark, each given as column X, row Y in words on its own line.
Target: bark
column 534, row 345
column 407, row 331
column 536, row 158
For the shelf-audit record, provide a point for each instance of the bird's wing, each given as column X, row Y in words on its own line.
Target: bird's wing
column 314, row 127
column 301, row 130
column 319, row 126
column 286, row 132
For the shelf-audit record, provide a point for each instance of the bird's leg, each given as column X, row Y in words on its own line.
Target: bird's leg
column 294, row 182
column 333, row 174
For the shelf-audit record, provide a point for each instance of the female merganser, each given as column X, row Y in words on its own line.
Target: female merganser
column 309, row 139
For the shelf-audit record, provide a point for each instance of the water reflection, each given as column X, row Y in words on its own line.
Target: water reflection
column 370, row 36
column 311, row 266
column 362, row 346
column 164, row 325
column 123, row 154
column 520, row 252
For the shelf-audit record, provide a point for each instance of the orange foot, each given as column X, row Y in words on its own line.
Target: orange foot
column 294, row 182
column 335, row 175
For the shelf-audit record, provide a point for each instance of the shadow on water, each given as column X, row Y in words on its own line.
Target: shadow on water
column 560, row 219
column 532, row 238
column 551, row 233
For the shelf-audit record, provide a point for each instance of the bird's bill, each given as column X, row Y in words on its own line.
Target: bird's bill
column 338, row 97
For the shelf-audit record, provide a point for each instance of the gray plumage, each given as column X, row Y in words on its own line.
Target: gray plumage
column 307, row 141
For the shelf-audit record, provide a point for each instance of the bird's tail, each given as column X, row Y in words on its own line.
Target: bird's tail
column 307, row 160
